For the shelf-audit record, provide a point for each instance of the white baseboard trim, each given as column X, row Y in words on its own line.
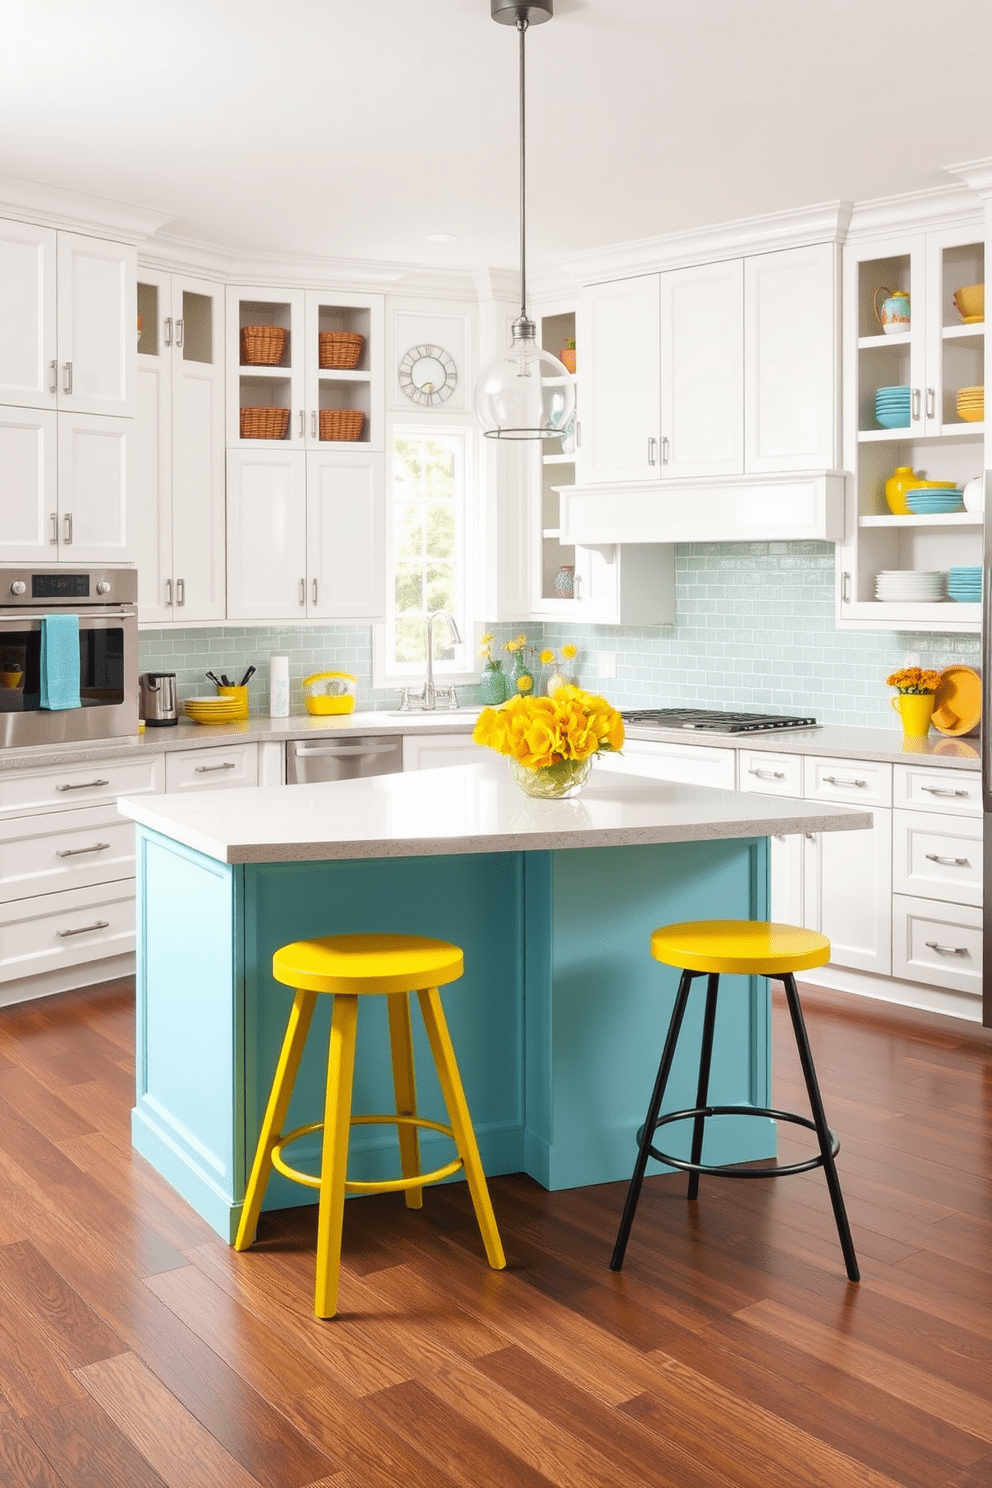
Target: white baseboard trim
column 892, row 989
column 67, row 979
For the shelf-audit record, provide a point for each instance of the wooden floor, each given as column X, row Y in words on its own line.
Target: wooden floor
column 136, row 1349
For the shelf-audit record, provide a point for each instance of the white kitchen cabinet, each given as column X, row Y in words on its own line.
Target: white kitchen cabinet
column 702, row 370
column 67, row 311
column 305, row 535
column 791, row 360
column 937, row 943
column 179, row 470
column 679, row 364
column 299, row 383
column 216, row 767
column 618, row 334
column 936, row 856
column 67, row 873
column 346, row 544
column 432, row 751
column 688, row 764
column 936, row 357
column 608, row 585
column 65, row 487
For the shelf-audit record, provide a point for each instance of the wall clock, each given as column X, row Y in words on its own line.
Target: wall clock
column 427, row 374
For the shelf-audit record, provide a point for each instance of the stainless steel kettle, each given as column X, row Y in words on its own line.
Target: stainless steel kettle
column 158, row 701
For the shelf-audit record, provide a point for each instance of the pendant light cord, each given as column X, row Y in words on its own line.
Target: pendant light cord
column 522, row 24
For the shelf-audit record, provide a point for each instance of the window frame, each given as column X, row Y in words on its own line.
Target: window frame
column 386, row 671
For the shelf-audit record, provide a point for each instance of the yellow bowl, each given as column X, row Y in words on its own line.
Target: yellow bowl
column 970, row 301
column 972, row 413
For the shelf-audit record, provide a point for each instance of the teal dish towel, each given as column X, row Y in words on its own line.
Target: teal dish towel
column 60, row 662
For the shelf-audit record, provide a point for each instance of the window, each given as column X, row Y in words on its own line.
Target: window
column 427, row 547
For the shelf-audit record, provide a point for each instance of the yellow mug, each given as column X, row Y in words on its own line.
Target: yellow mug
column 240, row 695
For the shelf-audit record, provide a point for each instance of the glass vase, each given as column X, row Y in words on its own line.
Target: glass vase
column 554, row 782
column 493, row 686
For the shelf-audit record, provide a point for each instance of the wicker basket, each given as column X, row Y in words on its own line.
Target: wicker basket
column 264, row 423
column 262, row 346
column 341, row 423
column 340, row 349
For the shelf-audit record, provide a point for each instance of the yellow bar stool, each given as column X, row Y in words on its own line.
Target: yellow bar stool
column 707, row 948
column 349, row 967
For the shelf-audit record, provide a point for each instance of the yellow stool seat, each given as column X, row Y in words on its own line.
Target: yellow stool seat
column 348, row 967
column 750, row 947
column 364, row 964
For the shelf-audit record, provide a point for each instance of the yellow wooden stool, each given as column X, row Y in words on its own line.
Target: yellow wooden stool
column 753, row 948
column 349, row 967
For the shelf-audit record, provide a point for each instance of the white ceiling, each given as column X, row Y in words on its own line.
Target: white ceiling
column 353, row 128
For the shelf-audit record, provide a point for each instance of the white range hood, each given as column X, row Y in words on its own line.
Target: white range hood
column 738, row 508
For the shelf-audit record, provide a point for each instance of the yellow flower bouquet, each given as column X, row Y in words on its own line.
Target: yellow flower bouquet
column 914, row 680
column 550, row 742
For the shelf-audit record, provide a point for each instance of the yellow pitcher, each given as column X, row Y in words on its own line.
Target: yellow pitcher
column 916, row 709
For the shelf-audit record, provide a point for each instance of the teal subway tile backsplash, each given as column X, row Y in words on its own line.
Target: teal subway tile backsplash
column 754, row 628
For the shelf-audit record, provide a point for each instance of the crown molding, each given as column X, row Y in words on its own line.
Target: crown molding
column 497, row 284
column 824, row 222
column 174, row 254
column 78, row 211
column 944, row 206
column 976, row 174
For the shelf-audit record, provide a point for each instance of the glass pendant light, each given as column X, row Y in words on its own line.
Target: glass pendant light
column 526, row 393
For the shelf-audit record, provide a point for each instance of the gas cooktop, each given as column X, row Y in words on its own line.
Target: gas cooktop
column 714, row 721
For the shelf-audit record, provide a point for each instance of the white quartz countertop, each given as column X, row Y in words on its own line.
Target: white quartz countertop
column 466, row 809
column 835, row 741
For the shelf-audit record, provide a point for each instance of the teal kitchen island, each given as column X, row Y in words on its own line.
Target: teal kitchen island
column 559, row 1019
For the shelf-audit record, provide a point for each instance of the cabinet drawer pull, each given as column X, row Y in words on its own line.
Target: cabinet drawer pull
column 84, row 929
column 768, row 774
column 168, row 590
column 948, row 862
column 53, row 370
column 168, row 330
column 936, row 790
column 83, row 785
column 315, row 591
column 74, row 852
column 180, row 592
column 313, row 423
column 303, row 422
column 303, row 591
column 833, row 780
column 67, row 529
column 935, row 945
column 179, row 331
column 652, row 450
column 206, row 769
column 55, row 529
column 931, row 403
column 67, row 377
column 916, row 404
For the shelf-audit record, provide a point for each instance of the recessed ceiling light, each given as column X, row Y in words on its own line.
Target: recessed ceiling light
column 442, row 237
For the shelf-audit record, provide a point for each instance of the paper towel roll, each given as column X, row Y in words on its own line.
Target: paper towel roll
column 279, row 687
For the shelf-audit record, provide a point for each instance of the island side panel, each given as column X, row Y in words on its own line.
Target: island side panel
column 474, row 900
column 598, row 1005
column 188, row 1118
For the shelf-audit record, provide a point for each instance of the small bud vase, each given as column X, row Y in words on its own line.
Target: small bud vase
column 554, row 782
column 916, row 710
column 557, row 679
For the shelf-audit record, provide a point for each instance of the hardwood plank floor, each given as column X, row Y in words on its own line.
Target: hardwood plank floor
column 137, row 1350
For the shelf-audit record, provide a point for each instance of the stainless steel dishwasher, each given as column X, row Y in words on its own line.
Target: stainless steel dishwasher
column 311, row 760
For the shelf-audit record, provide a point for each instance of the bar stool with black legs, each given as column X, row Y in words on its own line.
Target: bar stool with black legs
column 753, row 948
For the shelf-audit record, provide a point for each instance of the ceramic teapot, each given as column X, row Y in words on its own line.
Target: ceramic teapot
column 894, row 314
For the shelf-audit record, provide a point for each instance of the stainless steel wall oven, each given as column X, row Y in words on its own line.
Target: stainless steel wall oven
column 105, row 600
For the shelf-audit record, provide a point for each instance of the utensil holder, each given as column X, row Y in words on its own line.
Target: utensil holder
column 240, row 695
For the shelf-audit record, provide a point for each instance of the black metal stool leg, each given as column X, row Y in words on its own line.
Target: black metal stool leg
column 664, row 1069
column 822, row 1130
column 705, row 1060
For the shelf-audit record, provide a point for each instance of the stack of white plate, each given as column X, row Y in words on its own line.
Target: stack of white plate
column 902, row 587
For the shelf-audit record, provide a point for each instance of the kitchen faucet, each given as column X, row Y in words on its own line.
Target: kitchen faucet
column 428, row 698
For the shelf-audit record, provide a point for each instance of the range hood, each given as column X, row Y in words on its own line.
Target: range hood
column 735, row 508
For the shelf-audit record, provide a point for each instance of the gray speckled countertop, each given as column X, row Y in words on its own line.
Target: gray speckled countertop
column 837, row 742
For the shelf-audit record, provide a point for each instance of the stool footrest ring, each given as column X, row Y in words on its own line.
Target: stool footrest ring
column 735, row 1170
column 385, row 1185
